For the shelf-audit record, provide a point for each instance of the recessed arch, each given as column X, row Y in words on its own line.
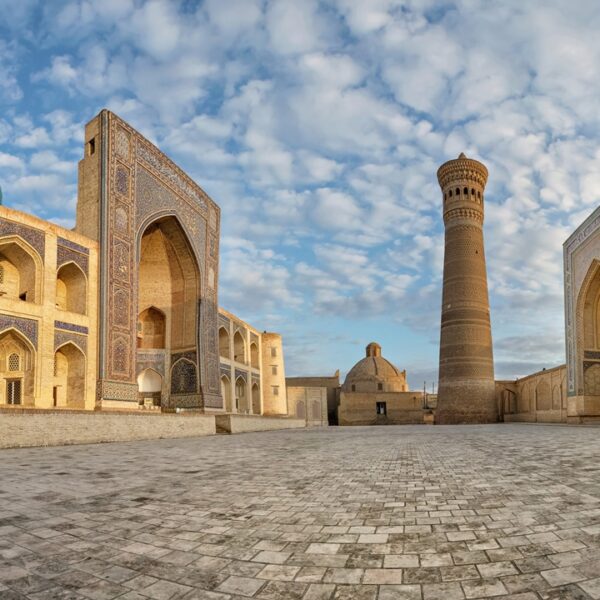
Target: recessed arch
column 150, row 385
column 18, row 383
column 22, row 270
column 587, row 321
column 239, row 347
column 149, row 380
column 151, row 328
column 254, row 362
column 241, row 400
column 224, row 349
column 226, row 392
column 71, row 288
column 169, row 291
column 69, row 376
column 184, row 377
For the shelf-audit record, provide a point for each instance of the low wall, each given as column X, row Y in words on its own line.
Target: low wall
column 21, row 428
column 247, row 423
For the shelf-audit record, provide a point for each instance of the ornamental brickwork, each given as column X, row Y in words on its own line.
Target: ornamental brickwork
column 466, row 392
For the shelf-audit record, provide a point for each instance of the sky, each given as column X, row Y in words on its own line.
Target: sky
column 318, row 128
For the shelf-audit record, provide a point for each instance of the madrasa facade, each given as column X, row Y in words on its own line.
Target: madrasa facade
column 122, row 311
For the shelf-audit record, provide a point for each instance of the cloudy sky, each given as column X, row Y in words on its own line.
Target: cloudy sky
column 318, row 128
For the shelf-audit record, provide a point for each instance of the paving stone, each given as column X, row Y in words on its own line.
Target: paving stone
column 508, row 511
column 399, row 592
column 319, row 591
column 244, row 586
column 442, row 591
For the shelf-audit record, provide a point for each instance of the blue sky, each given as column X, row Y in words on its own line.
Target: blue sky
column 318, row 128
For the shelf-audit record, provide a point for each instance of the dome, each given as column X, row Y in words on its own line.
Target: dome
column 374, row 373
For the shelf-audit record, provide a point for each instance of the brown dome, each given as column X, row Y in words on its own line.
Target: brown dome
column 374, row 373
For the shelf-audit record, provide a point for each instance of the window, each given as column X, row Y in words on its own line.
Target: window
column 13, row 391
column 92, row 146
column 381, row 408
column 380, row 386
column 273, row 369
column 275, row 390
column 14, row 362
column 353, row 388
column 273, row 352
column 466, row 191
column 458, row 191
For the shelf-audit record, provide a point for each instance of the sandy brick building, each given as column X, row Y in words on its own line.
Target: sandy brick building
column 122, row 312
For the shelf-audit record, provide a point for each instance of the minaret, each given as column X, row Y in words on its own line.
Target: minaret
column 466, row 378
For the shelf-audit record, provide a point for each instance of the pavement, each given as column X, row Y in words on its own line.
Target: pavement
column 364, row 513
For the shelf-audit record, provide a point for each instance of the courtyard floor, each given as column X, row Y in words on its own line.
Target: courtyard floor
column 413, row 512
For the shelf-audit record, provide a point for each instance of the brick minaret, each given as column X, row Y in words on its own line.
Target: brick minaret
column 466, row 377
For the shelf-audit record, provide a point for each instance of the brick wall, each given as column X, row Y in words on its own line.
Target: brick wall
column 21, row 428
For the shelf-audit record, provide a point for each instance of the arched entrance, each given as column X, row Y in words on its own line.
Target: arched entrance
column 226, row 392
column 150, row 387
column 17, row 369
column 256, row 399
column 69, row 377
column 168, row 305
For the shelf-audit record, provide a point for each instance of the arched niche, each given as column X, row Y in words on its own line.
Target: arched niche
column 239, row 348
column 150, row 384
column 151, row 328
column 169, row 280
column 20, row 270
column 254, row 355
column 226, row 392
column 17, row 369
column 71, row 289
column 69, row 377
column 241, row 400
column 224, row 350
column 150, row 381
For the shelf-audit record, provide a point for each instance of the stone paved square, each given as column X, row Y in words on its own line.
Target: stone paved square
column 397, row 512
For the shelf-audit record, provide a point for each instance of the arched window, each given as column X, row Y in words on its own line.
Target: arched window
column 458, row 191
column 450, row 194
column 71, row 289
column 472, row 191
column 466, row 191
column 14, row 362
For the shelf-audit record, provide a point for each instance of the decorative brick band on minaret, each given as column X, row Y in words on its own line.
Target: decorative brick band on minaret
column 466, row 378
